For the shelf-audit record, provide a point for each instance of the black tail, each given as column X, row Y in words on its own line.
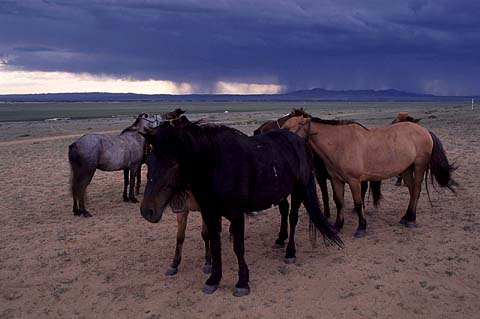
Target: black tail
column 376, row 189
column 75, row 165
column 311, row 203
column 439, row 166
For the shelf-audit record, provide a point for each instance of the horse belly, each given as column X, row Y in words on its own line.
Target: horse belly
column 113, row 161
column 388, row 162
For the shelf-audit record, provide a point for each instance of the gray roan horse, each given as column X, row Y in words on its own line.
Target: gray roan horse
column 107, row 153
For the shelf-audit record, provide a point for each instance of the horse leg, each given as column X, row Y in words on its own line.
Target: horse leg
column 207, row 268
column 283, row 233
column 133, row 173
column 126, row 171
column 322, row 175
column 415, row 187
column 338, row 197
column 82, row 188
column 75, row 206
column 356, row 189
column 74, row 190
column 364, row 192
column 181, row 227
column 407, row 176
column 214, row 227
column 322, row 182
column 238, row 225
column 399, row 181
column 138, row 180
column 290, row 257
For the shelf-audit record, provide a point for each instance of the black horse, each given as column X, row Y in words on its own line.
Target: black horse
column 229, row 174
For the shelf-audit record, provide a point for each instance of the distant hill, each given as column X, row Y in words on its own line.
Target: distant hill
column 316, row 94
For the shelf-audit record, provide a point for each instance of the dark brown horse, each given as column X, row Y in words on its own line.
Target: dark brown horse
column 155, row 121
column 230, row 174
column 353, row 153
column 181, row 204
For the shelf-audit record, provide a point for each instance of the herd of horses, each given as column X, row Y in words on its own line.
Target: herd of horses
column 222, row 172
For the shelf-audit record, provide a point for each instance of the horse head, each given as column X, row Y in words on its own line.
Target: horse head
column 404, row 117
column 297, row 124
column 175, row 114
column 164, row 175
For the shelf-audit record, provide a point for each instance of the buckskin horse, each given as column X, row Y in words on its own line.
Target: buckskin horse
column 230, row 174
column 320, row 173
column 353, row 153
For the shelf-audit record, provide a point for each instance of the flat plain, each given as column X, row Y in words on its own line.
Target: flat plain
column 55, row 265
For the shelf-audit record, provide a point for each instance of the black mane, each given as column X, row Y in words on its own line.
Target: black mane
column 301, row 112
column 336, row 122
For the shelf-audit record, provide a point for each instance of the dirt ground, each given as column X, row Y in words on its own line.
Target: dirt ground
column 55, row 265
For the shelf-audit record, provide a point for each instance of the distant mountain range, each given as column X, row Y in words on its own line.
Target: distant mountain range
column 316, row 94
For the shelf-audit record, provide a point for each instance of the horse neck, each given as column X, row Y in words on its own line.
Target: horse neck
column 282, row 121
column 198, row 151
column 134, row 135
column 324, row 135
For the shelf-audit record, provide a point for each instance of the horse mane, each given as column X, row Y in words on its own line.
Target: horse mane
column 133, row 127
column 301, row 112
column 336, row 122
column 173, row 114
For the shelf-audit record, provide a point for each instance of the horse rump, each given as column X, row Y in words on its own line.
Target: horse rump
column 439, row 166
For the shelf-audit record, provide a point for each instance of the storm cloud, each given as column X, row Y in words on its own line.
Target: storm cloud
column 427, row 46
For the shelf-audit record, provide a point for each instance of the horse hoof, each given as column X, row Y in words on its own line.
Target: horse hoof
column 133, row 200
column 207, row 289
column 337, row 229
column 86, row 214
column 278, row 245
column 126, row 199
column 171, row 271
column 408, row 224
column 207, row 269
column 290, row 261
column 360, row 233
column 240, row 292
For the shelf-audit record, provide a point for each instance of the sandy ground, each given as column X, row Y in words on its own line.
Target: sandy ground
column 55, row 265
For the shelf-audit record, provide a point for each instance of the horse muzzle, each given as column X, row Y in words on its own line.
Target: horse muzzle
column 151, row 215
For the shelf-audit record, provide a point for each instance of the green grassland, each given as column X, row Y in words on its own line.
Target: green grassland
column 41, row 111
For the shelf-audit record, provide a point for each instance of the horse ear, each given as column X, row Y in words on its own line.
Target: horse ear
column 179, row 112
column 184, row 120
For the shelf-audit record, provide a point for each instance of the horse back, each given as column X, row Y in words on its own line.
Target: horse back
column 259, row 170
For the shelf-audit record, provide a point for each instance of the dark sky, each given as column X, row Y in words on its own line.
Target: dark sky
column 430, row 46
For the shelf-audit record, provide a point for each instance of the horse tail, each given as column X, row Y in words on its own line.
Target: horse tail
column 376, row 189
column 439, row 166
column 75, row 165
column 317, row 218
